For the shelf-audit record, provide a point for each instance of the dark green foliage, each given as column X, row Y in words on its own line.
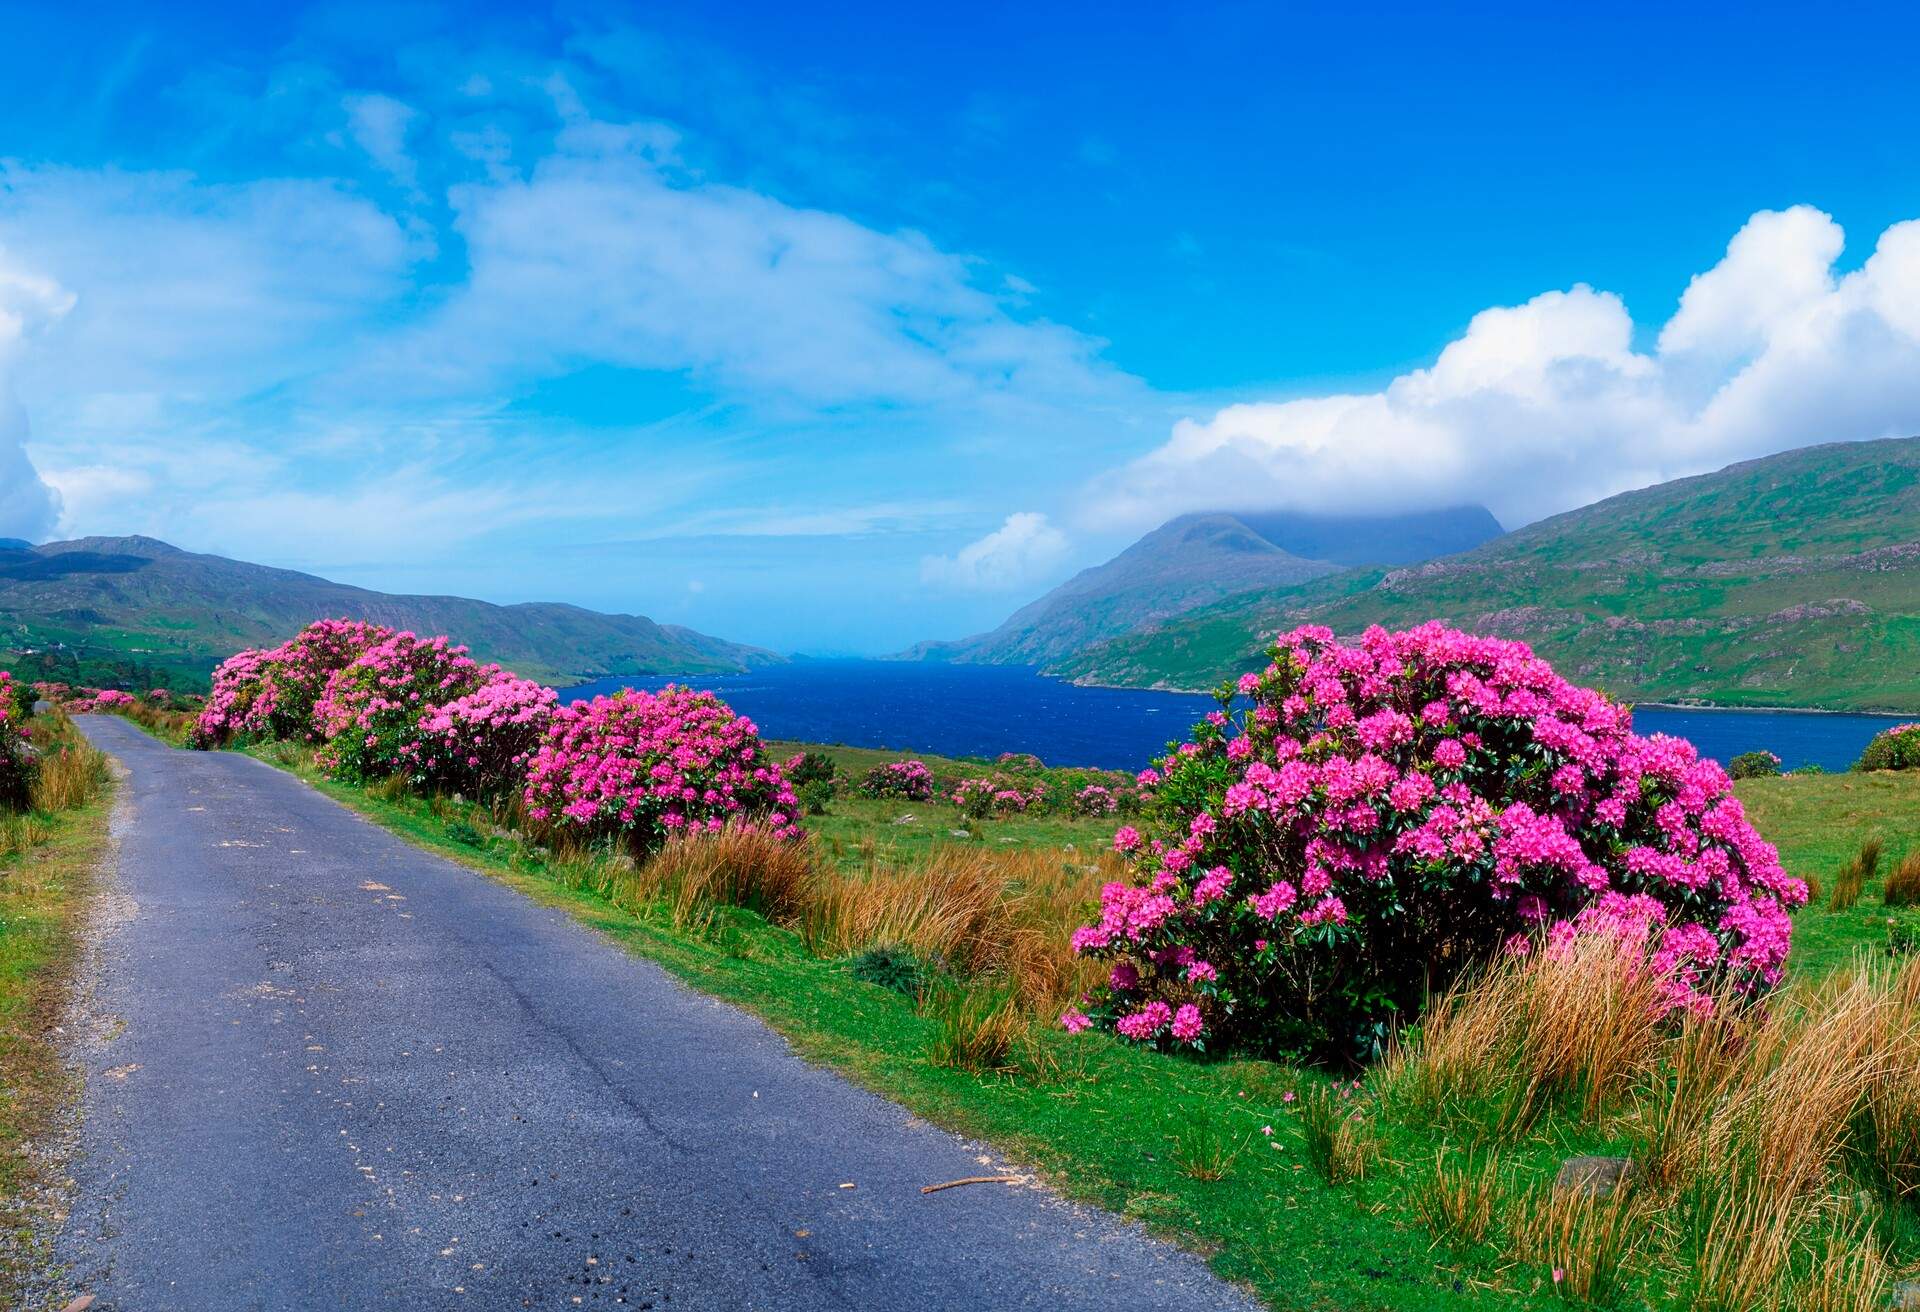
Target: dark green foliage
column 893, row 968
column 1754, row 765
column 810, row 768
column 465, row 834
column 816, row 795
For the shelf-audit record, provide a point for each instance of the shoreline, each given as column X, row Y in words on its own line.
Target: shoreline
column 1885, row 714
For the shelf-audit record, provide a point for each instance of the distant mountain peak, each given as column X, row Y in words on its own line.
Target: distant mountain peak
column 1197, row 559
column 131, row 545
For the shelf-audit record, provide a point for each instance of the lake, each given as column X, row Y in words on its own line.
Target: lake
column 983, row 710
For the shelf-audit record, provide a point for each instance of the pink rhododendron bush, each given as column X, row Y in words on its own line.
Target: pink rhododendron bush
column 908, row 780
column 480, row 744
column 16, row 749
column 641, row 766
column 271, row 693
column 1388, row 814
column 373, row 709
column 106, row 701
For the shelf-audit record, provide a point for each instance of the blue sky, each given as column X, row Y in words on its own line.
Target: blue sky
column 833, row 328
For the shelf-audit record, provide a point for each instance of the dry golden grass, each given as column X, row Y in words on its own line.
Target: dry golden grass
column 1584, row 1239
column 1850, row 1274
column 1580, row 1025
column 71, row 773
column 1702, row 1059
column 1458, row 1203
column 1750, row 1122
column 1855, row 876
column 975, row 912
column 1903, row 883
column 1744, row 1238
column 1786, row 1113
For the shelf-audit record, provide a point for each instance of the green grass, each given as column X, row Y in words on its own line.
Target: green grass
column 1818, row 822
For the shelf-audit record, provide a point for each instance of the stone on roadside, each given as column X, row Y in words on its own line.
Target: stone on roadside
column 1595, row 1176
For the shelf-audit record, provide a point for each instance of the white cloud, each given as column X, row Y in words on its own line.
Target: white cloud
column 609, row 251
column 28, row 302
column 379, row 126
column 1017, row 553
column 1544, row 406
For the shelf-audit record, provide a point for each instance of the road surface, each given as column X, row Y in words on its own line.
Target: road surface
column 340, row 1072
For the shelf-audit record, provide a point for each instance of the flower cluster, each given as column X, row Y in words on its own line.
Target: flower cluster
column 910, row 781
column 1897, row 748
column 642, row 766
column 17, row 760
column 1095, row 800
column 271, row 693
column 107, row 701
column 372, row 711
column 1386, row 814
column 479, row 744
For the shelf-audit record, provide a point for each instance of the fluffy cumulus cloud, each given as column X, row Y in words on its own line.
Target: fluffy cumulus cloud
column 1022, row 550
column 28, row 302
column 1548, row 405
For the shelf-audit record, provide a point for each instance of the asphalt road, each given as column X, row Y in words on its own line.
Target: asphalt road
column 341, row 1072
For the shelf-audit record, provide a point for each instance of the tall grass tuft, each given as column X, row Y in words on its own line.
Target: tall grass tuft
column 1578, row 1026
column 1340, row 1144
column 1203, row 1150
column 975, row 1026
column 70, row 772
column 1458, row 1203
column 1855, row 875
column 740, row 866
column 1584, row 1239
column 1849, row 1275
column 1903, row 882
column 1743, row 1237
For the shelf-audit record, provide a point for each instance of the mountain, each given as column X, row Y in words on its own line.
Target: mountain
column 1792, row 580
column 1196, row 559
column 137, row 610
column 1376, row 539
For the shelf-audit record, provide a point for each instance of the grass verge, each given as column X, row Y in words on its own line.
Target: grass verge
column 48, row 859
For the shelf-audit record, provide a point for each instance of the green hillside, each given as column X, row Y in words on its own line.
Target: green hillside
column 136, row 612
column 1788, row 581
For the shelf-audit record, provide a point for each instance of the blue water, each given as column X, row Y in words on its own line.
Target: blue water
column 979, row 710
